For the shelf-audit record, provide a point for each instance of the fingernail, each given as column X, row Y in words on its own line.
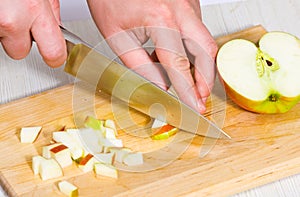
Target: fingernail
column 201, row 107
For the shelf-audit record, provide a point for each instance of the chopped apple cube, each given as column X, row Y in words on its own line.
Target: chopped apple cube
column 90, row 140
column 49, row 168
column 87, row 163
column 111, row 142
column 165, row 132
column 68, row 189
column 93, row 123
column 120, row 153
column 110, row 133
column 29, row 134
column 75, row 133
column 36, row 162
column 106, row 158
column 158, row 123
column 62, row 155
column 106, row 170
column 133, row 159
column 111, row 124
column 46, row 150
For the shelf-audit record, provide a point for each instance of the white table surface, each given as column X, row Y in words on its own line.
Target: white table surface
column 26, row 77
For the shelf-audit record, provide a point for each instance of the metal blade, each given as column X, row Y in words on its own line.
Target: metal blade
column 117, row 80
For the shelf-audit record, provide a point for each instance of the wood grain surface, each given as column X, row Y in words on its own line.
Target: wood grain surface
column 263, row 148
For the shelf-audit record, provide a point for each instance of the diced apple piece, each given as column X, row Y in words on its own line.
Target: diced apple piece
column 62, row 155
column 133, row 159
column 165, row 132
column 106, row 170
column 110, row 133
column 90, row 140
column 68, row 189
column 111, row 124
column 36, row 162
column 120, row 153
column 87, row 163
column 111, row 142
column 75, row 133
column 29, row 134
column 93, row 123
column 76, row 152
column 158, row 123
column 106, row 158
column 46, row 150
column 49, row 168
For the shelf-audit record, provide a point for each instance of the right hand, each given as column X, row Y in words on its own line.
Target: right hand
column 21, row 21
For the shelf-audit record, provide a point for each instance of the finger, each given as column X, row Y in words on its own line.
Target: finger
column 203, row 47
column 171, row 54
column 49, row 38
column 56, row 9
column 129, row 50
column 17, row 46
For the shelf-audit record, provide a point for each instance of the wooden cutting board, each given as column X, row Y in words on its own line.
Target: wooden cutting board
column 263, row 148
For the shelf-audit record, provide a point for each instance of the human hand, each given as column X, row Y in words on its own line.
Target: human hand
column 22, row 20
column 176, row 29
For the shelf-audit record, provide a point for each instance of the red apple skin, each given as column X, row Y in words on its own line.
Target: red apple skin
column 282, row 105
column 58, row 148
column 86, row 159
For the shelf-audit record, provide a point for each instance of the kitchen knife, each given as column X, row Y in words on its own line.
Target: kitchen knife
column 86, row 64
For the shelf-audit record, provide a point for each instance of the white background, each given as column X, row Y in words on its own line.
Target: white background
column 78, row 9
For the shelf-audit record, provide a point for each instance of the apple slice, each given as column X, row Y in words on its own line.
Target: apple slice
column 165, row 132
column 264, row 79
column 68, row 188
column 86, row 164
column 133, row 159
column 49, row 169
column 106, row 170
column 36, row 162
column 62, row 155
column 107, row 158
column 29, row 134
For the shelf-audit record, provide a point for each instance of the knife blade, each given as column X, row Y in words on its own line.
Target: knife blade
column 87, row 64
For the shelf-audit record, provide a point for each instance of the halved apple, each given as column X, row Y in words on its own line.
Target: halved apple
column 262, row 79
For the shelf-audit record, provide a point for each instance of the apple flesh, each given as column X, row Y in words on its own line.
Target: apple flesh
column 29, row 134
column 106, row 170
column 262, row 79
column 62, row 155
column 49, row 169
column 68, row 189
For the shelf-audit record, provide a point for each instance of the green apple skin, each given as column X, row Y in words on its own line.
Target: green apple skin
column 281, row 105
